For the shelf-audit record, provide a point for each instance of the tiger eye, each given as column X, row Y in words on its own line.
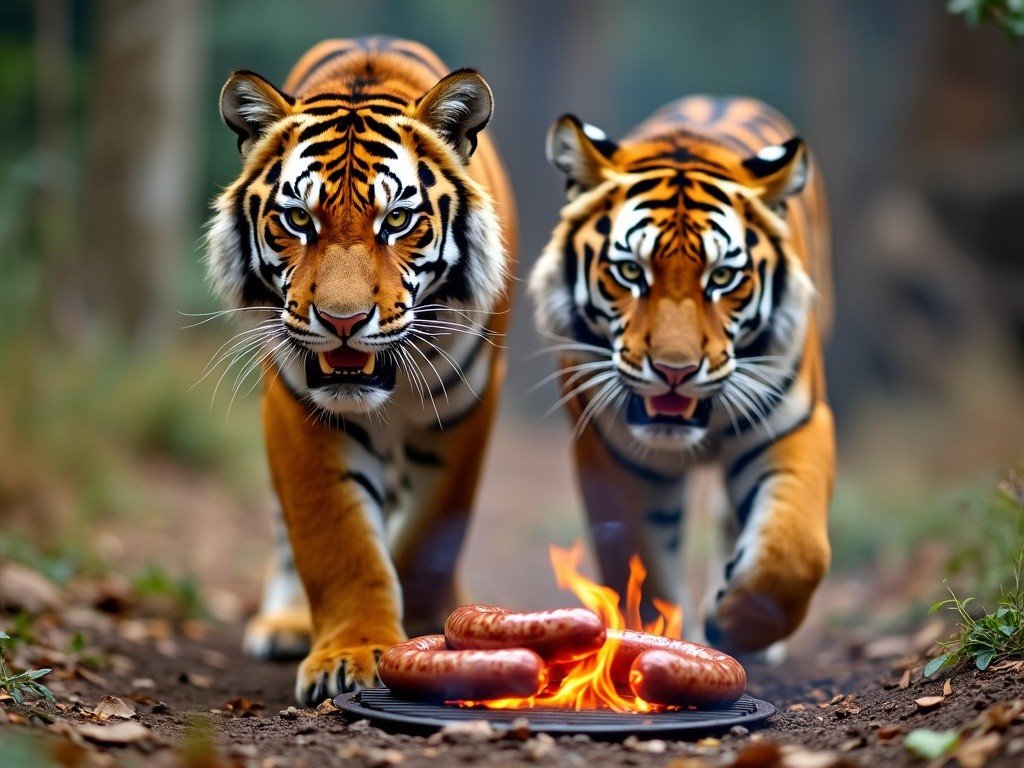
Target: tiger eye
column 631, row 271
column 722, row 276
column 397, row 218
column 298, row 218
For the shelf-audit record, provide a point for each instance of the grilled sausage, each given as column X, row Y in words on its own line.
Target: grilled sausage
column 425, row 669
column 664, row 671
column 560, row 635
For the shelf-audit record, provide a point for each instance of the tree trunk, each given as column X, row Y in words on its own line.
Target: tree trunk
column 139, row 185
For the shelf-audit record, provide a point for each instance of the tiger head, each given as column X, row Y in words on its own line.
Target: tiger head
column 671, row 266
column 354, row 216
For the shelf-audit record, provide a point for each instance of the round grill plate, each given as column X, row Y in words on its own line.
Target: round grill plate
column 390, row 713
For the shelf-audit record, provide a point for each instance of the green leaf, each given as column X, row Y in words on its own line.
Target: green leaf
column 16, row 695
column 35, row 674
column 984, row 659
column 931, row 744
column 43, row 691
column 936, row 606
column 935, row 664
column 1008, row 631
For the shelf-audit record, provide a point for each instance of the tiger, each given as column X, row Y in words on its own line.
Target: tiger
column 686, row 286
column 372, row 229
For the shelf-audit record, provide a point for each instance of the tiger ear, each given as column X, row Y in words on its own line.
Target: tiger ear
column 779, row 170
column 581, row 152
column 458, row 108
column 250, row 105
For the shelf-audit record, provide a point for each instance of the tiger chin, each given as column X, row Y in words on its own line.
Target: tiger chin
column 686, row 286
column 363, row 235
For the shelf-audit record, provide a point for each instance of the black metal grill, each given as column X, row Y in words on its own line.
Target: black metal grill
column 386, row 711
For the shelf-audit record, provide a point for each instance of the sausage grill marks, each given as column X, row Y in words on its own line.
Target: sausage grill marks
column 565, row 634
column 424, row 668
column 661, row 670
column 490, row 653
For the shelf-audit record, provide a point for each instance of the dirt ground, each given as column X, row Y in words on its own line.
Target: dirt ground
column 137, row 688
column 195, row 701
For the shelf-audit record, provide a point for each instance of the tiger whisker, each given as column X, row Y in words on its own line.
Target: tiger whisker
column 749, row 406
column 209, row 316
column 404, row 361
column 425, row 338
column 256, row 363
column 430, row 392
column 451, row 362
column 243, row 338
column 440, row 327
column 248, row 350
column 580, row 368
column 595, row 406
column 590, row 383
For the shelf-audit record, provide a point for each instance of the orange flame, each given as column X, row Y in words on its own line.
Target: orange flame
column 587, row 683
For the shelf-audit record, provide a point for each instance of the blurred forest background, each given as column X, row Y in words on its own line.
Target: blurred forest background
column 119, row 453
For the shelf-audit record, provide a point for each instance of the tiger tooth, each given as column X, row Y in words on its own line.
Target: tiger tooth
column 649, row 408
column 691, row 409
column 325, row 367
column 371, row 361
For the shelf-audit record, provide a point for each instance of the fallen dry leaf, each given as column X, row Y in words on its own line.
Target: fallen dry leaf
column 974, row 753
column 764, row 754
column 126, row 732
column 325, row 707
column 905, row 680
column 651, row 746
column 244, row 707
column 926, row 703
column 111, row 706
column 797, row 757
column 947, row 688
column 470, row 730
column 999, row 716
column 193, row 678
column 24, row 589
column 851, row 744
column 887, row 732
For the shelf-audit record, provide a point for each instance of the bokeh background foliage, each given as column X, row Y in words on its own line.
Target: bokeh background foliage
column 112, row 442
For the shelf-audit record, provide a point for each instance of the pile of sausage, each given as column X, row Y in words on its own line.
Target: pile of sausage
column 488, row 653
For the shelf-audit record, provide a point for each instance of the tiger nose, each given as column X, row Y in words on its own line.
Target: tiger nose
column 344, row 326
column 674, row 374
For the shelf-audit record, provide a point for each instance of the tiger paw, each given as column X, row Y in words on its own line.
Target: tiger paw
column 278, row 636
column 327, row 672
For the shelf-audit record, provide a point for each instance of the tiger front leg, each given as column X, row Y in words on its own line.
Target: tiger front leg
column 443, row 466
column 328, row 483
column 282, row 627
column 781, row 494
column 633, row 508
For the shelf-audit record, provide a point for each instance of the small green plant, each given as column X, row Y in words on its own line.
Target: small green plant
column 25, row 683
column 1008, row 15
column 990, row 637
column 991, row 559
column 180, row 596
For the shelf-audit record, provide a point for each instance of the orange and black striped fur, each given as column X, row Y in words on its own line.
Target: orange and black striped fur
column 371, row 231
column 687, row 284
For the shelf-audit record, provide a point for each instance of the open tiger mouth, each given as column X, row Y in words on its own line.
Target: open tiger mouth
column 670, row 408
column 347, row 365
